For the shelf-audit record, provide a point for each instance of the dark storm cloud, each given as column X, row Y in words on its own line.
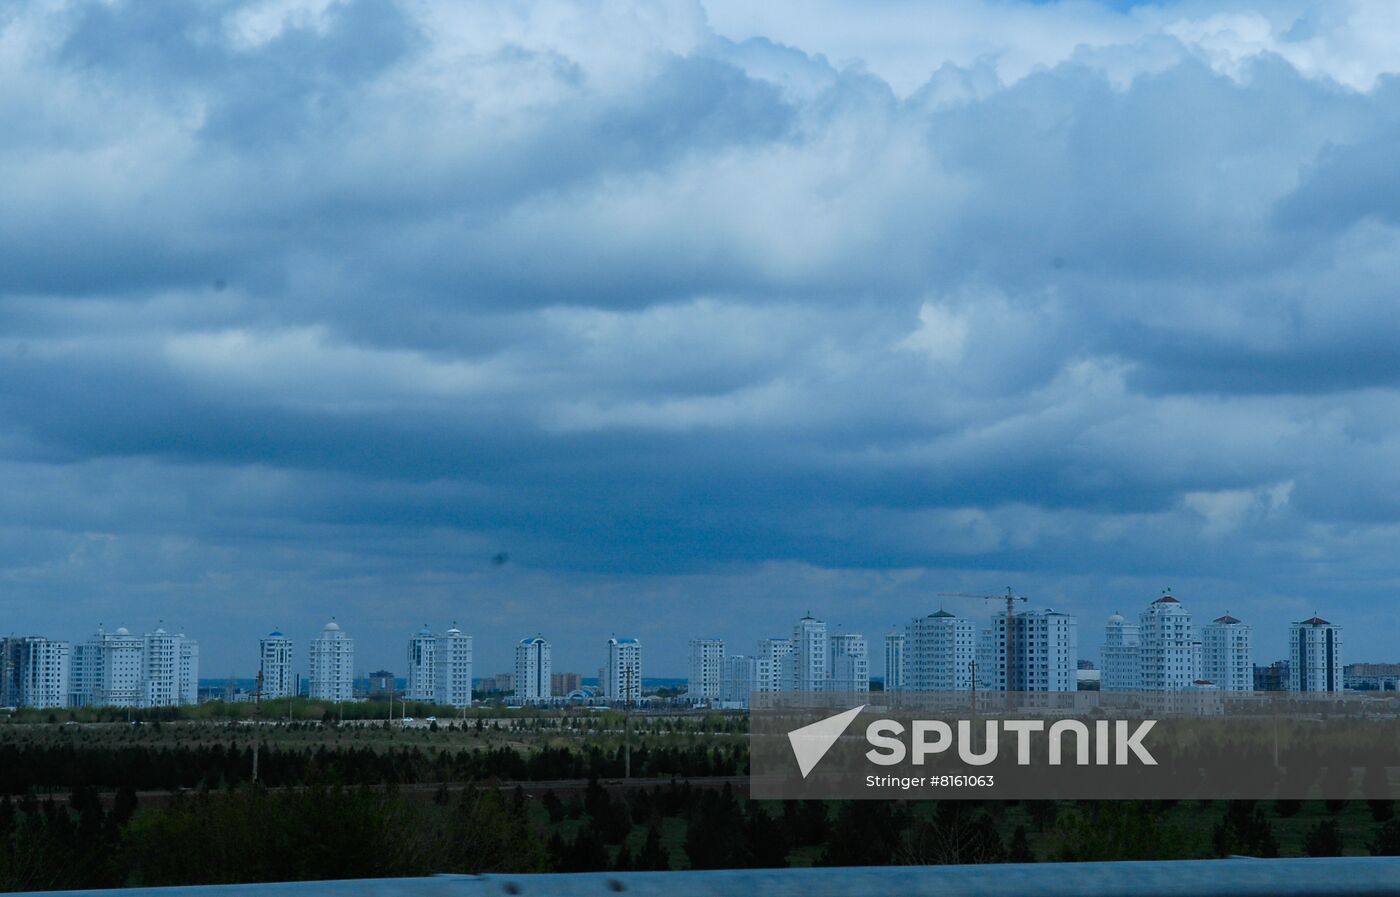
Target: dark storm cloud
column 315, row 308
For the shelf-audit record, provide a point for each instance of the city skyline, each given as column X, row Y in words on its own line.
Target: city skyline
column 645, row 318
column 502, row 657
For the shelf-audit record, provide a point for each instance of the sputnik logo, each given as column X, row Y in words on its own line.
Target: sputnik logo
column 810, row 743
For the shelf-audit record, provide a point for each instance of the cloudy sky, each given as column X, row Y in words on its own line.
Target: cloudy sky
column 704, row 315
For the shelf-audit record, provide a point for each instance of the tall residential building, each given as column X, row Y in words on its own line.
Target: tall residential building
column 895, row 644
column 706, row 669
column 82, row 674
column 848, row 663
column 332, row 665
column 170, row 669
column 1227, row 654
column 808, row 670
column 452, row 670
column 42, row 672
column 422, row 651
column 942, row 648
column 275, row 664
column 1046, row 645
column 1170, row 655
column 9, row 672
column 624, row 670
column 107, row 671
column 533, row 666
column 1315, row 656
column 774, row 660
column 740, row 679
column 1121, row 656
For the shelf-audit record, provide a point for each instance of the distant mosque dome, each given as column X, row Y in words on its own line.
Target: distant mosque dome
column 1116, row 618
column 332, row 626
column 122, row 630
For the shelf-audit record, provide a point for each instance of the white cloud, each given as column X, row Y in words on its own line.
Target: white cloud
column 829, row 290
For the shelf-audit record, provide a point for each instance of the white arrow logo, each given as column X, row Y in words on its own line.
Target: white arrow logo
column 810, row 743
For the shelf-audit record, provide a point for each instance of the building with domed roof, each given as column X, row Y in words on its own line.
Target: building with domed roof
column 1169, row 651
column 452, row 668
column 275, row 666
column 170, row 669
column 1227, row 654
column 106, row 670
column 332, row 665
column 623, row 680
column 533, row 666
column 1315, row 656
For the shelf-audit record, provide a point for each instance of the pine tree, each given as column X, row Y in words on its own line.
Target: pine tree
column 1020, row 850
column 1387, row 840
column 1323, row 840
column 654, row 857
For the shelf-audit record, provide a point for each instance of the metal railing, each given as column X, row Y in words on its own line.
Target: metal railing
column 1236, row 877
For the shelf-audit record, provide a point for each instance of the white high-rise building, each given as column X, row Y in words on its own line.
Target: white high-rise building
column 533, row 667
column 1227, row 654
column 1169, row 652
column 82, row 675
column 740, row 679
column 774, row 660
column 624, row 670
column 160, row 660
column 1046, row 645
column 333, row 665
column 187, row 686
column 810, row 655
column 169, row 669
column 848, row 663
column 452, row 673
column 107, row 671
column 42, row 671
column 895, row 644
column 706, row 669
column 942, row 647
column 422, row 666
column 1314, row 656
column 275, row 664
column 1121, row 657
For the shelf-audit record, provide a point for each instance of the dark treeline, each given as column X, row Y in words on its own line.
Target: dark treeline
column 27, row 768
column 250, row 834
column 336, row 811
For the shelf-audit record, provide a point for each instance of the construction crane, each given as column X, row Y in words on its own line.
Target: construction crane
column 1010, row 598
